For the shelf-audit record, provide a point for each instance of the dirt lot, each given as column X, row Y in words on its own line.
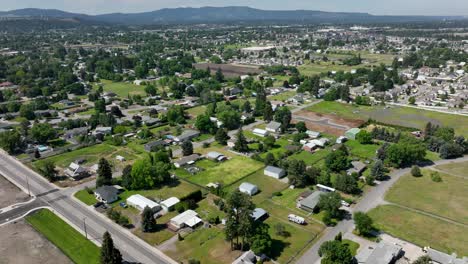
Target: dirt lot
column 21, row 244
column 328, row 124
column 10, row 194
column 229, row 70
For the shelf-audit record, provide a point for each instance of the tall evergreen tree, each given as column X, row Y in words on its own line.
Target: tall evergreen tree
column 148, row 223
column 268, row 112
column 221, row 136
column 104, row 173
column 109, row 254
column 187, row 148
column 241, row 142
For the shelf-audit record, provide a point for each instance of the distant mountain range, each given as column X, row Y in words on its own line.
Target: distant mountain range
column 218, row 15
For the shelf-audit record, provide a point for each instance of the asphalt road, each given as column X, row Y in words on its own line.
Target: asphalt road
column 133, row 249
column 370, row 200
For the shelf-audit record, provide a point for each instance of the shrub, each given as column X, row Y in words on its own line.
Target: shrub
column 277, row 194
column 436, row 177
column 416, row 171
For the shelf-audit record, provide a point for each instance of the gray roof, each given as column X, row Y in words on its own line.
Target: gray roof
column 258, row 213
column 384, row 253
column 273, row 169
column 248, row 186
column 273, row 125
column 213, row 155
column 185, row 160
column 312, row 200
column 188, row 134
column 108, row 193
column 441, row 257
column 150, row 145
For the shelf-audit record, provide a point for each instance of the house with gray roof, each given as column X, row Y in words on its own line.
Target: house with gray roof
column 273, row 127
column 358, row 167
column 106, row 194
column 383, row 253
column 443, row 258
column 259, row 214
column 154, row 144
column 187, row 135
column 188, row 160
column 310, row 202
column 215, row 156
column 248, row 188
column 274, row 172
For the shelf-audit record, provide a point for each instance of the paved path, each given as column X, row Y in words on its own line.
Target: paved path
column 370, row 200
column 75, row 213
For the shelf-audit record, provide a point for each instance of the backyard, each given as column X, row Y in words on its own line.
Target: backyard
column 123, row 89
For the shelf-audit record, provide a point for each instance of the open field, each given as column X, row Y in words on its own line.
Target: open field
column 20, row 243
column 65, row 237
column 447, row 198
column 10, row 194
column 311, row 158
column 360, row 150
column 267, row 186
column 458, row 169
column 226, row 172
column 395, row 115
column 326, row 123
column 123, row 89
column 420, row 229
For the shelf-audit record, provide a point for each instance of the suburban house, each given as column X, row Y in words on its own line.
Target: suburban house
column 75, row 171
column 106, row 194
column 248, row 188
column 188, row 218
column 273, row 127
column 315, row 143
column 247, row 258
column 259, row 214
column 260, row 132
column 155, row 144
column 75, row 132
column 140, row 202
column 102, row 131
column 310, row 202
column 168, row 204
column 276, row 104
column 216, row 121
column 186, row 160
column 313, row 134
column 358, row 167
column 383, row 253
column 215, row 156
column 187, row 135
column 274, row 172
column 351, row 134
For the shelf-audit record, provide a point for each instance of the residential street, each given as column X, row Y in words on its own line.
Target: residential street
column 370, row 200
column 133, row 249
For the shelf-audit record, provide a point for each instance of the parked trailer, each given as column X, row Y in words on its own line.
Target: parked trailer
column 296, row 219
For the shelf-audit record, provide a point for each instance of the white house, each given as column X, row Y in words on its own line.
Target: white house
column 274, row 172
column 273, row 127
column 75, row 171
column 188, row 218
column 140, row 202
column 260, row 132
column 248, row 188
column 168, row 204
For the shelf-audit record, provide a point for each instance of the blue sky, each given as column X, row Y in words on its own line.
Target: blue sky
column 378, row 7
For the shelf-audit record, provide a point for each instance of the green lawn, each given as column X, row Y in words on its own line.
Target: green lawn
column 85, row 197
column 196, row 111
column 353, row 246
column 283, row 96
column 421, row 230
column 226, row 172
column 267, row 186
column 278, row 149
column 66, row 238
column 395, row 115
column 123, row 89
column 458, row 169
column 360, row 150
column 447, row 198
column 311, row 158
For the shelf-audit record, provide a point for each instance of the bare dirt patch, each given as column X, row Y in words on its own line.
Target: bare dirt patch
column 10, row 194
column 20, row 243
column 325, row 123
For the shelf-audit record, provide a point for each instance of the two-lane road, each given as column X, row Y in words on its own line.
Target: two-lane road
column 133, row 249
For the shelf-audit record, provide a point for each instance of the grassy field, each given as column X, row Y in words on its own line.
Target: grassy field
column 447, row 198
column 396, row 115
column 283, row 96
column 196, row 111
column 123, row 89
column 225, row 173
column 68, row 240
column 278, row 149
column 311, row 158
column 85, row 197
column 267, row 186
column 360, row 150
column 420, row 229
column 458, row 169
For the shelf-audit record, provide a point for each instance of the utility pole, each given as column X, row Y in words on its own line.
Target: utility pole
column 84, row 223
column 27, row 183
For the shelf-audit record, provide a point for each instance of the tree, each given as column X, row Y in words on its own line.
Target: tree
column 301, row 127
column 297, row 173
column 423, row 260
column 221, row 136
column 412, row 100
column 261, row 241
column 204, row 124
column 283, row 116
column 241, row 142
column 269, row 142
column 148, row 222
column 239, row 224
column 451, row 150
column 104, row 173
column 346, row 183
column 127, row 176
column 330, row 202
column 43, row 132
column 337, row 161
column 187, row 148
column 27, row 111
column 364, row 137
column 219, row 76
column 335, row 252
column 151, row 90
column 48, row 170
column 100, row 106
column 270, row 159
column 363, row 223
column 115, row 110
column 416, row 171
column 150, row 171
column 247, row 107
column 11, row 141
column 378, row 170
column 407, row 151
column 109, row 254
column 268, row 112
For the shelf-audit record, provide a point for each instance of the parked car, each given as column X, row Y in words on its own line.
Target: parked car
column 123, row 205
column 98, row 204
